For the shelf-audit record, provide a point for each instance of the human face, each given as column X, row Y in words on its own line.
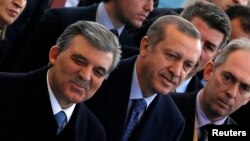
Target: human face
column 77, row 72
column 237, row 31
column 163, row 67
column 225, row 4
column 10, row 10
column 133, row 12
column 211, row 40
column 228, row 85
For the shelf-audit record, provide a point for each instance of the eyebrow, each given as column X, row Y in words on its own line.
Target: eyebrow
column 79, row 56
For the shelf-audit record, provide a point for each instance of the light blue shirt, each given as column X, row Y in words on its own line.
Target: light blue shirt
column 103, row 18
column 71, row 3
column 202, row 119
column 55, row 105
column 183, row 86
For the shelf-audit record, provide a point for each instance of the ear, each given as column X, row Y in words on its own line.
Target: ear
column 208, row 70
column 144, row 46
column 53, row 54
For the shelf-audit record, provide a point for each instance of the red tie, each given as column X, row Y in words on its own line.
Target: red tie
column 57, row 3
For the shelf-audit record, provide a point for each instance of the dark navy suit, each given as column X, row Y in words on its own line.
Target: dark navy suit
column 26, row 112
column 186, row 104
column 162, row 121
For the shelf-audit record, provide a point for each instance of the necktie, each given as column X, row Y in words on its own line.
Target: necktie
column 203, row 132
column 138, row 106
column 57, row 3
column 115, row 32
column 61, row 120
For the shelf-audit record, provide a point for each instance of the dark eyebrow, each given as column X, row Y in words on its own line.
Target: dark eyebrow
column 210, row 44
column 83, row 58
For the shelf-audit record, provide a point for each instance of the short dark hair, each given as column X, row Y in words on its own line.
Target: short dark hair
column 243, row 14
column 212, row 15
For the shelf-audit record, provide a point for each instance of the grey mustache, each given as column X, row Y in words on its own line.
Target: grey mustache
column 82, row 83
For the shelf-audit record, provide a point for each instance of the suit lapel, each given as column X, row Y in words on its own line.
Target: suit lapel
column 117, row 99
column 39, row 104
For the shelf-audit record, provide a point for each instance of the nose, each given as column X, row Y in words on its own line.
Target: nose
column 20, row 3
column 176, row 68
column 232, row 90
column 149, row 5
column 86, row 73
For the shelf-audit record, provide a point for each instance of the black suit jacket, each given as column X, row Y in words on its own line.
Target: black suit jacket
column 161, row 121
column 50, row 28
column 194, row 85
column 27, row 115
column 241, row 116
column 186, row 104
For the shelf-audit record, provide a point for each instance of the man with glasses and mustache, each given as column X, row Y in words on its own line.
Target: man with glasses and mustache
column 47, row 104
column 133, row 104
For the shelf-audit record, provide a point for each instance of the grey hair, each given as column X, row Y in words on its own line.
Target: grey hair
column 96, row 34
column 156, row 32
column 236, row 44
column 212, row 15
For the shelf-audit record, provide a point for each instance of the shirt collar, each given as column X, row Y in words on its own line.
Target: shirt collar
column 135, row 92
column 103, row 19
column 2, row 32
column 202, row 119
column 183, row 86
column 55, row 105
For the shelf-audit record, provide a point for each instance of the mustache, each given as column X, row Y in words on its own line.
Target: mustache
column 171, row 77
column 81, row 83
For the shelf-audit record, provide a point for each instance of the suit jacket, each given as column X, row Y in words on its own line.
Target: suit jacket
column 241, row 116
column 50, row 28
column 186, row 104
column 27, row 115
column 162, row 120
column 194, row 85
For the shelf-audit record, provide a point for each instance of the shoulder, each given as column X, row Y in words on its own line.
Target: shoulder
column 95, row 130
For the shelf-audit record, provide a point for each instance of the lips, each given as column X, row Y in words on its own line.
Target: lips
column 169, row 80
column 142, row 16
column 223, row 104
column 13, row 13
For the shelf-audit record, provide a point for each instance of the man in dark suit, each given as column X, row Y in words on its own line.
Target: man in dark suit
column 239, row 16
column 226, row 90
column 215, row 29
column 46, row 104
column 159, row 68
column 113, row 14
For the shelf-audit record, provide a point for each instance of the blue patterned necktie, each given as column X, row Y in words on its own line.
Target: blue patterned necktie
column 61, row 120
column 138, row 106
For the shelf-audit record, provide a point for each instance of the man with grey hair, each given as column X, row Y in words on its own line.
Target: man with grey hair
column 215, row 29
column 47, row 104
column 133, row 104
column 226, row 90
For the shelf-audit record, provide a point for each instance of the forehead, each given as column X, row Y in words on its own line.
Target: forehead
column 181, row 43
column 82, row 47
column 208, row 33
column 236, row 64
